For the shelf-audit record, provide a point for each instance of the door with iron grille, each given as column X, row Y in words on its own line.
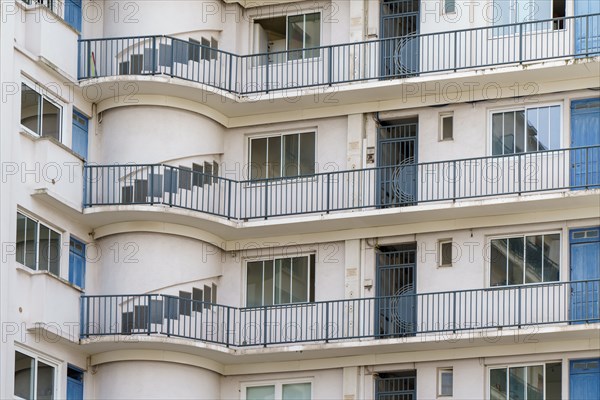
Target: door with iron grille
column 396, row 291
column 400, row 44
column 397, row 158
column 396, row 386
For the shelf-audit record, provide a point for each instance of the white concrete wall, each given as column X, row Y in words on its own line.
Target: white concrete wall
column 154, row 380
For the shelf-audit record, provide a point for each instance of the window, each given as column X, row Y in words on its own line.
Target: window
column 526, row 382
column 449, row 6
column 39, row 114
column 77, row 262
column 79, row 141
column 532, row 129
column 445, row 382
column 515, row 11
column 282, row 156
column 304, row 32
column 525, row 259
column 34, row 378
column 280, row 281
column 38, row 247
column 284, row 391
column 445, row 253
column 295, row 32
column 447, row 126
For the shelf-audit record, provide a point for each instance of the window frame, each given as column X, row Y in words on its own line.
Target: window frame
column 524, row 236
column 282, row 167
column 278, row 386
column 444, row 116
column 303, row 51
column 441, row 243
column 39, row 223
column 490, row 136
column 310, row 278
column 446, row 6
column 43, row 94
column 37, row 358
column 440, row 372
column 507, row 367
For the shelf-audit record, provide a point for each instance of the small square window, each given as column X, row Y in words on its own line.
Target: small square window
column 445, row 382
column 449, row 6
column 445, row 253
column 447, row 127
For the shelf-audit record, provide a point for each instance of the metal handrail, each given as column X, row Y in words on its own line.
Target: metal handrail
column 325, row 192
column 330, row 64
column 334, row 320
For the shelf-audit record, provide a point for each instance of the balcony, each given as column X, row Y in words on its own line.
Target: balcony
column 376, row 60
column 350, row 190
column 408, row 315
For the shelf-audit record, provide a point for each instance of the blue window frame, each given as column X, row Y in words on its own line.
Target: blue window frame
column 77, row 262
column 80, row 134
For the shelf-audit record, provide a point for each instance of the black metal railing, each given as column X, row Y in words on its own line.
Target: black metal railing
column 324, row 321
column 360, row 189
column 341, row 63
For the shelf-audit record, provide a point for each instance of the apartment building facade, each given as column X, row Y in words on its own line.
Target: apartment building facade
column 235, row 199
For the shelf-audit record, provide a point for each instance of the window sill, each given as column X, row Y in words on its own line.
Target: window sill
column 26, row 270
column 34, row 138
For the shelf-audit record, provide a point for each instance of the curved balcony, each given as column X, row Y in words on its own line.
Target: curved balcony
column 407, row 315
column 375, row 60
column 350, row 190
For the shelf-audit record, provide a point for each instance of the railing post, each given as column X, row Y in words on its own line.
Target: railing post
column 151, row 185
column 149, row 314
column 519, row 310
column 88, row 60
column 267, row 74
column 154, row 65
column 455, row 51
column 228, row 327
column 586, row 167
column 521, row 43
column 266, row 198
column 587, row 35
column 330, row 69
column 168, row 314
column 230, row 71
column 454, row 312
column 519, row 167
column 326, row 322
column 87, row 308
column 229, row 200
column 328, row 191
column 454, row 181
column 265, row 326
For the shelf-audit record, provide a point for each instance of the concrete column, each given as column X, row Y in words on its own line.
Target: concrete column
column 351, row 383
column 358, row 20
column 355, row 136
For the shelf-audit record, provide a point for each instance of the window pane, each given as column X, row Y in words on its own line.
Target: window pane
column 555, row 127
column 498, row 389
column 520, row 132
column 268, row 283
column 45, row 381
column 446, row 383
column 553, row 381
column 20, row 250
column 290, row 155
column 54, row 253
column 299, row 279
column 543, row 128
column 533, row 261
column 31, row 243
column 449, row 6
column 274, row 157
column 295, row 32
column 283, row 272
column 515, row 260
column 535, row 382
column 551, row 257
column 447, row 128
column 258, row 158
column 23, row 375
column 254, row 286
column 44, row 252
column 498, row 262
column 30, row 108
column 532, row 132
column 51, row 120
column 516, row 382
column 260, row 393
column 497, row 146
column 307, row 153
column 297, row 391
column 312, row 34
column 509, row 133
